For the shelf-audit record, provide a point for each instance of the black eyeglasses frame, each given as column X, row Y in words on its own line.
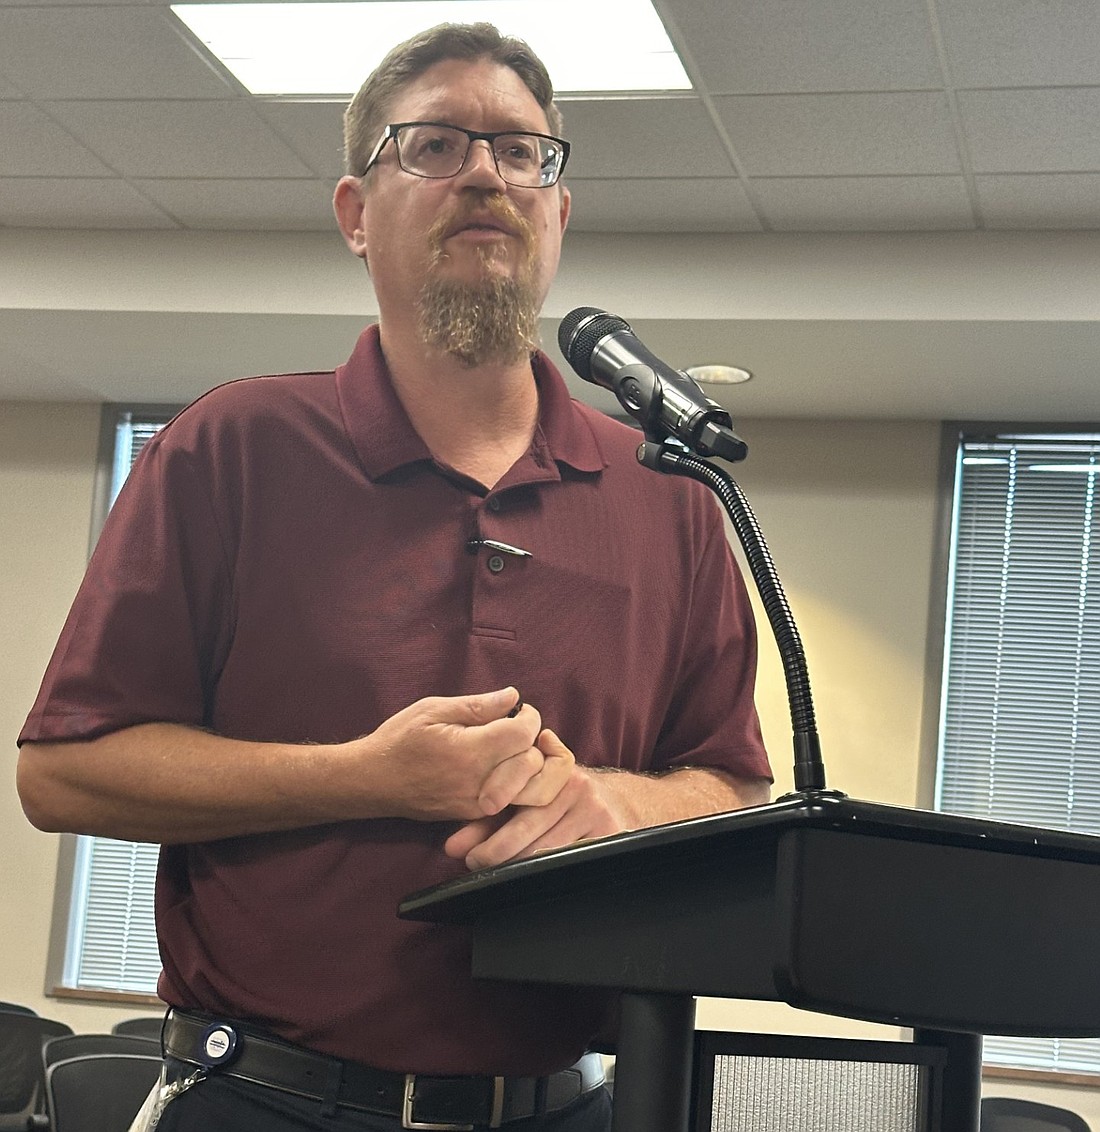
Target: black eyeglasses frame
column 391, row 131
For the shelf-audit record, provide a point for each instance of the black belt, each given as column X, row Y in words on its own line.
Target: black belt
column 451, row 1103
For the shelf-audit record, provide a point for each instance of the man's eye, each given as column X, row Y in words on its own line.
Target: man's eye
column 429, row 145
column 520, row 152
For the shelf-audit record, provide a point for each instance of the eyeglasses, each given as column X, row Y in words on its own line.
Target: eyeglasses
column 438, row 150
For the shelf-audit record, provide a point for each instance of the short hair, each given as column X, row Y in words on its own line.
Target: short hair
column 366, row 115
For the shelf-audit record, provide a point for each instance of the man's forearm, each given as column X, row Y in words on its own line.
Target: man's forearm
column 169, row 783
column 653, row 799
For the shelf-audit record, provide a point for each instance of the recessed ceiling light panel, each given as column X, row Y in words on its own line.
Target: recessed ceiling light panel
column 328, row 49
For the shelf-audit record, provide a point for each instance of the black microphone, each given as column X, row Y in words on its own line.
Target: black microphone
column 604, row 350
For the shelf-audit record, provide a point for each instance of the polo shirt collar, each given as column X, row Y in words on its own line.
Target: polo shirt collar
column 385, row 440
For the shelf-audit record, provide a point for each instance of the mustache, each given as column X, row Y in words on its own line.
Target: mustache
column 476, row 204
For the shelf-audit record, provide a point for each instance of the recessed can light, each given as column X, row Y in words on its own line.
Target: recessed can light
column 719, row 375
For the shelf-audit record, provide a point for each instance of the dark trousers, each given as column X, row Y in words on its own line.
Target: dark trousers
column 225, row 1104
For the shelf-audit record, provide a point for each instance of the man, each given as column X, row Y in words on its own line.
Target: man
column 297, row 658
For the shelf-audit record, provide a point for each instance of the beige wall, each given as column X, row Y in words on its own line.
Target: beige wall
column 849, row 512
column 46, row 458
column 47, row 465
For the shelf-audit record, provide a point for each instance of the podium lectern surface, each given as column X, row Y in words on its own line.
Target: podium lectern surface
column 829, row 904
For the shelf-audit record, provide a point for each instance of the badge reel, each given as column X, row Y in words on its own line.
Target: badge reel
column 217, row 1047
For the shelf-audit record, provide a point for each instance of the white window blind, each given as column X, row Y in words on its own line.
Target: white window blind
column 112, row 942
column 1020, row 707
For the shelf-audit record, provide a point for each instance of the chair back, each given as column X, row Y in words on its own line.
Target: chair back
column 147, row 1026
column 80, row 1045
column 17, row 1008
column 22, row 1077
column 1012, row 1114
column 100, row 1092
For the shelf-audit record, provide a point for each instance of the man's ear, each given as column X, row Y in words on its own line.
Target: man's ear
column 566, row 204
column 347, row 203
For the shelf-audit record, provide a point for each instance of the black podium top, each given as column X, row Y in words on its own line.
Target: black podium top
column 829, row 904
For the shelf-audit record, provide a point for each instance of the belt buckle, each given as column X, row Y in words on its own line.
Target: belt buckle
column 407, row 1109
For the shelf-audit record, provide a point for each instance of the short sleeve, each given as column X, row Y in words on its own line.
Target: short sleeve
column 152, row 619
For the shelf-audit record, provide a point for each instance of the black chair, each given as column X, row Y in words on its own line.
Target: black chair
column 16, row 1008
column 101, row 1092
column 22, row 1076
column 1009, row 1114
column 81, row 1045
column 145, row 1027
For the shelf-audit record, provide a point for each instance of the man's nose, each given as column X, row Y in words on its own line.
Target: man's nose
column 480, row 166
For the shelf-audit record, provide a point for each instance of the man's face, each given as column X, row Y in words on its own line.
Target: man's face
column 471, row 234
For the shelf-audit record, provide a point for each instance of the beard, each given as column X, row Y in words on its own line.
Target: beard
column 493, row 319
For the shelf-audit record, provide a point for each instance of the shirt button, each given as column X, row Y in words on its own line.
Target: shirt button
column 493, row 503
column 496, row 563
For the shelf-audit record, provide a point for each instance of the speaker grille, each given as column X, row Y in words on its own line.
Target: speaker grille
column 577, row 345
column 770, row 1094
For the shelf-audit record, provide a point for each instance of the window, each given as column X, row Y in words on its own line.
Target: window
column 111, row 941
column 1019, row 735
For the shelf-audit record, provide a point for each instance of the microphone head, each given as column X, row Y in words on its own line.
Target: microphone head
column 581, row 331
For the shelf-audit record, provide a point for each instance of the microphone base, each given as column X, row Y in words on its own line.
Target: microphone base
column 812, row 795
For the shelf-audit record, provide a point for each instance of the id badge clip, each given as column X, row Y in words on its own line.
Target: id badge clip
column 217, row 1046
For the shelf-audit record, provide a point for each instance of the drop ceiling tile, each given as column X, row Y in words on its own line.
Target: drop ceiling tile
column 771, row 46
column 1032, row 131
column 314, row 130
column 864, row 204
column 180, row 139
column 103, row 52
column 244, row 205
column 676, row 205
column 89, row 202
column 648, row 137
column 33, row 145
column 9, row 90
column 1050, row 200
column 840, row 134
column 73, row 3
column 1019, row 43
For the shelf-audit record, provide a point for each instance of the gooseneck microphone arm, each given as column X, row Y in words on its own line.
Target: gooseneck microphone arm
column 809, row 767
column 665, row 451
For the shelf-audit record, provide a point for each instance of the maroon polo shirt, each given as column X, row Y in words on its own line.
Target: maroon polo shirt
column 288, row 563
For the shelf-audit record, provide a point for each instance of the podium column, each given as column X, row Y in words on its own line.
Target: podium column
column 653, row 1063
column 962, row 1078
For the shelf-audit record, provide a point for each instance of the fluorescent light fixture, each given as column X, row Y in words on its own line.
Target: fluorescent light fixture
column 328, row 49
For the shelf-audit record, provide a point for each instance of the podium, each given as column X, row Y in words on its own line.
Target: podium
column 953, row 926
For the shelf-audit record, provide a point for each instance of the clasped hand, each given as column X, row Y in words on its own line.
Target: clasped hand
column 515, row 784
column 560, row 804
